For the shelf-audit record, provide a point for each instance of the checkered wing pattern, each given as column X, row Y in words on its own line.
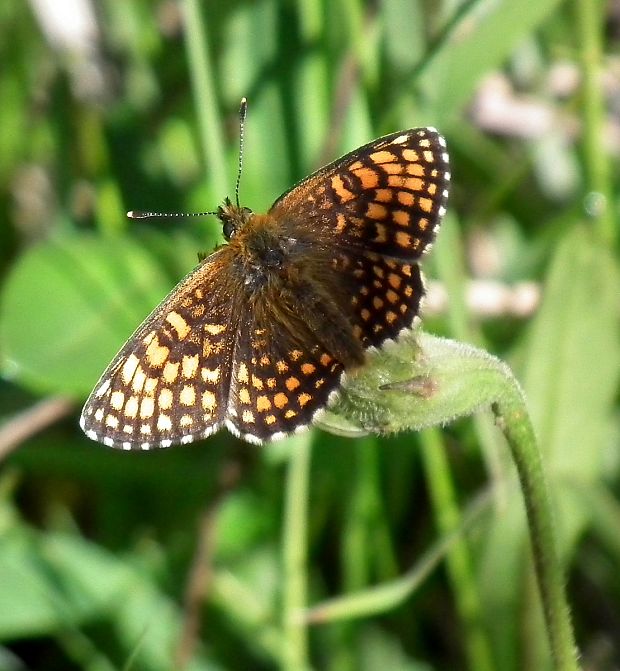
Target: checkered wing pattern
column 386, row 197
column 379, row 207
column 282, row 376
column 385, row 298
column 169, row 383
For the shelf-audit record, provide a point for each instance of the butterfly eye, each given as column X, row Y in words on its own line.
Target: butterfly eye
column 228, row 229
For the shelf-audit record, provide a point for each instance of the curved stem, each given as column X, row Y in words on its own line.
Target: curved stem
column 429, row 381
column 515, row 422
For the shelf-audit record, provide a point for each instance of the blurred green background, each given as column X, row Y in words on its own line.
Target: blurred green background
column 175, row 558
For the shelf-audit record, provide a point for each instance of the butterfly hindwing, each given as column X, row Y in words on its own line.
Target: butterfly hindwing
column 283, row 372
column 386, row 296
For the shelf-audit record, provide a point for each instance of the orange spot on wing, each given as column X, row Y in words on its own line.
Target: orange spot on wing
column 394, row 280
column 368, row 177
column 376, row 211
column 280, row 400
column 165, row 398
column 401, row 217
column 410, row 155
column 415, row 169
column 189, row 366
column 242, row 373
column 178, row 324
column 170, row 372
column 263, row 404
column 405, row 198
column 341, row 222
column 326, row 359
column 292, row 383
column 156, row 354
column 384, row 195
column 209, row 402
column 394, row 168
column 392, row 296
column 425, row 204
column 341, row 191
column 383, row 156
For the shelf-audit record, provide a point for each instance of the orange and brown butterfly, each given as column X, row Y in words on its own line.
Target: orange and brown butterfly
column 258, row 336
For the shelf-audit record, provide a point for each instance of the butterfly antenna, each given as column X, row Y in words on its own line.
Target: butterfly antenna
column 243, row 112
column 139, row 214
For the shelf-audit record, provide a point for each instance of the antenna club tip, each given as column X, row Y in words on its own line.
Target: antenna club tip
column 135, row 214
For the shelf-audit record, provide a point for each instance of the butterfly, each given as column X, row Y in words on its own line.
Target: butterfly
column 258, row 336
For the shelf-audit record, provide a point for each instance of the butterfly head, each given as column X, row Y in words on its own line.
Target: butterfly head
column 233, row 217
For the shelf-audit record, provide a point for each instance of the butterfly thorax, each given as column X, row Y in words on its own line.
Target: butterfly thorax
column 260, row 248
column 264, row 255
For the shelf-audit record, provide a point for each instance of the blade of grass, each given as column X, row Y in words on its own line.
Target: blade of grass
column 458, row 559
column 388, row 595
column 450, row 76
column 294, row 547
column 590, row 17
column 205, row 96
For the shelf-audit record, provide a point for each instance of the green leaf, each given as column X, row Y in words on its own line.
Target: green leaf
column 573, row 366
column 573, row 363
column 53, row 582
column 48, row 581
column 69, row 305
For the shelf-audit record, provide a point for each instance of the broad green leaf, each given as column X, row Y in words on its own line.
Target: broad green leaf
column 573, row 363
column 69, row 305
column 50, row 581
column 53, row 582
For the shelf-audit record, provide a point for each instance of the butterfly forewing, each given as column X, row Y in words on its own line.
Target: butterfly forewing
column 169, row 383
column 386, row 197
